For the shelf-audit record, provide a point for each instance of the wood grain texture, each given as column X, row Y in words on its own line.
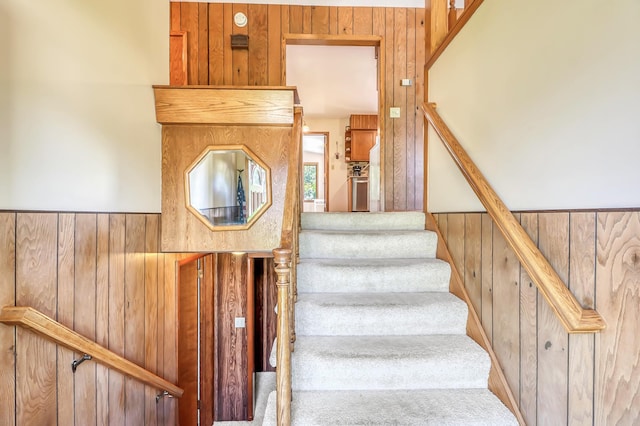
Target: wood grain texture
column 116, row 314
column 181, row 105
column 582, row 256
column 573, row 317
column 473, row 260
column 553, row 340
column 151, row 250
column 400, row 100
column 72, row 265
column 617, row 373
column 36, row 262
column 102, row 316
column 66, row 301
column 529, row 331
column 282, row 260
column 133, row 315
column 208, row 350
column 506, row 312
column 178, row 58
column 231, row 342
column 258, row 44
column 600, row 376
column 84, row 306
column 182, row 231
column 258, row 65
column 456, row 239
column 7, row 334
column 487, row 276
column 497, row 381
column 188, row 342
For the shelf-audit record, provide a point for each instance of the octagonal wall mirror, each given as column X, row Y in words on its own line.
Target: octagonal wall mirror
column 228, row 187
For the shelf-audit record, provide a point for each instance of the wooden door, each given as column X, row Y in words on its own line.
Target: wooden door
column 196, row 354
column 188, row 341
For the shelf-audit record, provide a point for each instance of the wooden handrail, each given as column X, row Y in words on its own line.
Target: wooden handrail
column 50, row 329
column 572, row 315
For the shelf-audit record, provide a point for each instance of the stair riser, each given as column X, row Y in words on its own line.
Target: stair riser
column 445, row 318
column 381, row 374
column 362, row 222
column 410, row 245
column 314, row 277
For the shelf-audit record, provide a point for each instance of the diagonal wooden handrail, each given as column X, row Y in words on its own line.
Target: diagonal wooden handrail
column 50, row 329
column 572, row 315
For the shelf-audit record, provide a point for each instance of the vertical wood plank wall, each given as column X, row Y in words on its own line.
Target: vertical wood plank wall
column 101, row 275
column 580, row 379
column 211, row 61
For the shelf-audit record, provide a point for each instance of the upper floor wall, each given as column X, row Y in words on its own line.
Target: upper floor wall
column 77, row 120
column 545, row 103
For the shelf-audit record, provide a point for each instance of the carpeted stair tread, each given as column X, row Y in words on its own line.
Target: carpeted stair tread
column 358, row 245
column 372, row 275
column 364, row 221
column 388, row 362
column 344, row 314
column 433, row 407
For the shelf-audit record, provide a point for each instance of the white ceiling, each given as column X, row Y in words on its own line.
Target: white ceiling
column 334, row 81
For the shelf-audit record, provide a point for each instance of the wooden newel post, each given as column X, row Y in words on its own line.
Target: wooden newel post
column 282, row 259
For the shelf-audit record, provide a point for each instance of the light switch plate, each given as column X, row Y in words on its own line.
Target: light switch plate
column 405, row 82
column 240, row 322
column 394, row 112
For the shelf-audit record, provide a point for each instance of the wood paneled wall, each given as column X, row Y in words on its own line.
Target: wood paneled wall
column 212, row 61
column 559, row 378
column 101, row 275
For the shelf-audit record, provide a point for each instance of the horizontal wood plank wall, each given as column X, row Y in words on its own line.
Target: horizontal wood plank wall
column 101, row 275
column 209, row 28
column 559, row 378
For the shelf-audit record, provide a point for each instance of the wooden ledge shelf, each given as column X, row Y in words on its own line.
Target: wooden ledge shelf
column 225, row 105
column 52, row 330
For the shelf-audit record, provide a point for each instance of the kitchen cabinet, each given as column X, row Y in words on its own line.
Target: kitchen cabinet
column 360, row 136
column 361, row 142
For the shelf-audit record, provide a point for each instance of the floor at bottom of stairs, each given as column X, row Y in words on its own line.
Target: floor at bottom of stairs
column 265, row 384
column 441, row 407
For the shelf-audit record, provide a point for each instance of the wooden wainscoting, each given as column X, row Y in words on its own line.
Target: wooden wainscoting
column 101, row 275
column 559, row 378
column 212, row 61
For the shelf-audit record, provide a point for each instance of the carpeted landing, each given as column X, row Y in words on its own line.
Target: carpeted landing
column 380, row 340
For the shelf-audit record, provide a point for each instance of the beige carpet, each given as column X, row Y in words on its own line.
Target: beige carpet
column 380, row 340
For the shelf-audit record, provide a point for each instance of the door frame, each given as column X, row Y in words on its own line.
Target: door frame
column 326, row 163
column 348, row 40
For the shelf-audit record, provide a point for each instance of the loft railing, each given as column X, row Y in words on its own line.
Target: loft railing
column 285, row 259
column 52, row 330
column 572, row 315
column 446, row 20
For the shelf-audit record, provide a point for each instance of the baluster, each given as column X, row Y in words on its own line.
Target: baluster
column 282, row 260
column 453, row 14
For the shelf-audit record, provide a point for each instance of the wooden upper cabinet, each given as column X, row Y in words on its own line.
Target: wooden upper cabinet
column 360, row 137
column 361, row 143
column 363, row 122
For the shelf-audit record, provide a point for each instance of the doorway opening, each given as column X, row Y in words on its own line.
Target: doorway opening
column 315, row 170
column 339, row 78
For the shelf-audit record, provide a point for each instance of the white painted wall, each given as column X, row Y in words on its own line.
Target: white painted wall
column 545, row 97
column 77, row 120
column 338, row 189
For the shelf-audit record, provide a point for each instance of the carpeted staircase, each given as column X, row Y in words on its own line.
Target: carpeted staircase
column 380, row 340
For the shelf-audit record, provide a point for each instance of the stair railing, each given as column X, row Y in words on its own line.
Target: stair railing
column 572, row 315
column 446, row 21
column 285, row 259
column 34, row 320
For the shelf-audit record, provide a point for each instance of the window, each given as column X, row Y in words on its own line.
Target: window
column 310, row 173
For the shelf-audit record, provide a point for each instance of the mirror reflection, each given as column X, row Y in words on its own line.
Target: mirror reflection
column 228, row 186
